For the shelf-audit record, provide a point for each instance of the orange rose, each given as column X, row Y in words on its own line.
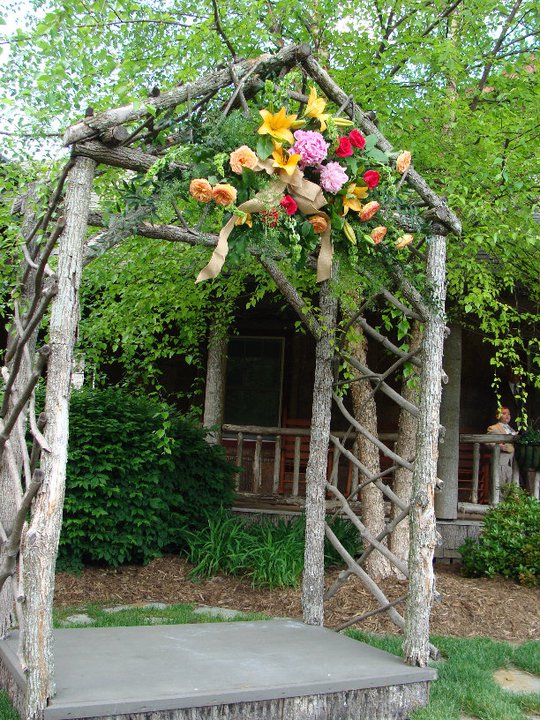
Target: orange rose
column 378, row 234
column 201, row 190
column 369, row 210
column 320, row 224
column 404, row 240
column 242, row 157
column 403, row 162
column 224, row 194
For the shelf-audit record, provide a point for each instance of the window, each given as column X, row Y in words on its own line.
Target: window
column 254, row 381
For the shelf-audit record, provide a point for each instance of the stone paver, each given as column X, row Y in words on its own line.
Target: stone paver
column 517, row 681
column 81, row 619
column 224, row 613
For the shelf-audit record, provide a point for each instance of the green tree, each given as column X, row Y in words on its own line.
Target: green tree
column 457, row 85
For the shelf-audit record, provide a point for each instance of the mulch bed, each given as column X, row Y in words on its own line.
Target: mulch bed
column 495, row 608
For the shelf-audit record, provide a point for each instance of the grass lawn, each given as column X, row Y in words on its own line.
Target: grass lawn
column 465, row 685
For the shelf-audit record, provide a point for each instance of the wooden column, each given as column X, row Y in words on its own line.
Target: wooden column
column 11, row 494
column 313, row 580
column 214, row 398
column 423, row 532
column 447, row 498
column 41, row 541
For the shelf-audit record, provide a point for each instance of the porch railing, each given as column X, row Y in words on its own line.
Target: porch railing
column 273, row 462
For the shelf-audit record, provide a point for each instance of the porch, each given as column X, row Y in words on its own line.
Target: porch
column 273, row 463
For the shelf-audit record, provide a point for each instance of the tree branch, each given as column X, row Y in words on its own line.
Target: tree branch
column 14, row 542
column 221, row 31
column 493, row 55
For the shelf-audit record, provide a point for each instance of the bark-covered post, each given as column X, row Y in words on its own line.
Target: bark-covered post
column 377, row 565
column 313, row 579
column 41, row 541
column 405, row 448
column 423, row 530
column 446, row 500
column 10, row 497
column 214, row 397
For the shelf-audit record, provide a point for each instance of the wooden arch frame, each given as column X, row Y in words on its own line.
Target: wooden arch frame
column 103, row 138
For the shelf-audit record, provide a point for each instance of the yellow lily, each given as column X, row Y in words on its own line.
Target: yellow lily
column 351, row 199
column 315, row 109
column 283, row 160
column 277, row 125
column 244, row 219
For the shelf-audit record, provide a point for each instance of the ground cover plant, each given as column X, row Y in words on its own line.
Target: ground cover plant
column 270, row 552
column 138, row 475
column 465, row 684
column 152, row 614
column 6, row 709
column 509, row 544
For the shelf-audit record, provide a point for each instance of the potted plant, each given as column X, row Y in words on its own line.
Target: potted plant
column 527, row 448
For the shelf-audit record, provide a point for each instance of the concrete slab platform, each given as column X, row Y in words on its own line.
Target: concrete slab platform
column 120, row 672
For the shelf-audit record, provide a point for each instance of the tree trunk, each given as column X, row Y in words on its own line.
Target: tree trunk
column 365, row 411
column 41, row 541
column 10, row 495
column 406, row 448
column 423, row 532
column 215, row 385
column 313, row 579
column 447, row 499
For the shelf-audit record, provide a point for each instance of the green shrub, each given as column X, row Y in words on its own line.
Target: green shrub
column 509, row 544
column 130, row 491
column 269, row 552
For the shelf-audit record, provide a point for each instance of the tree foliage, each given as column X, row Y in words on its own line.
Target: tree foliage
column 456, row 84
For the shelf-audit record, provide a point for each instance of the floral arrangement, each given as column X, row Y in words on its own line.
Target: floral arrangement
column 318, row 181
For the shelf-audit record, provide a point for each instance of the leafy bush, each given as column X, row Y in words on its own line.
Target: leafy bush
column 270, row 553
column 509, row 544
column 131, row 488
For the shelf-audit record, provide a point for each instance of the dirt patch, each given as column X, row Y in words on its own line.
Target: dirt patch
column 468, row 607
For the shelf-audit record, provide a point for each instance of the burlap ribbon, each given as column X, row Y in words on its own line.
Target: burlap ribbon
column 308, row 196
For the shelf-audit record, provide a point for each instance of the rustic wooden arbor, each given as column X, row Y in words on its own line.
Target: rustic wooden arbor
column 121, row 138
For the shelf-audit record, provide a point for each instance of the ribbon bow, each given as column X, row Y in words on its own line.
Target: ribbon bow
column 308, row 196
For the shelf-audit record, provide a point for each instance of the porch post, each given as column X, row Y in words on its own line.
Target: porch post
column 422, row 525
column 447, row 498
column 214, row 398
column 41, row 541
column 313, row 579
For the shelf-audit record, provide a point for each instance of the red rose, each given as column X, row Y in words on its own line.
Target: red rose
column 357, row 139
column 371, row 178
column 345, row 147
column 289, row 205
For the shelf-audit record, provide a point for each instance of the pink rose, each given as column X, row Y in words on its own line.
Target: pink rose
column 371, row 178
column 333, row 177
column 344, row 148
column 357, row 139
column 289, row 205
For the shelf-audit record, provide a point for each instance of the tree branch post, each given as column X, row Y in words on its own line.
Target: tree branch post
column 422, row 524
column 313, row 579
column 41, row 540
